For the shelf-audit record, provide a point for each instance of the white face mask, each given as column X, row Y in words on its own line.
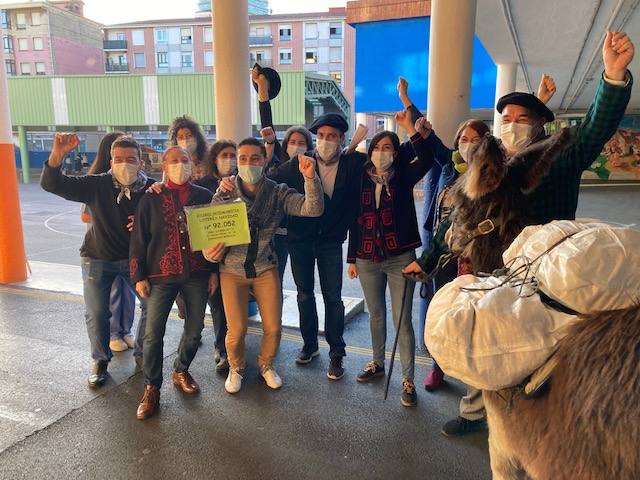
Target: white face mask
column 189, row 145
column 515, row 136
column 179, row 173
column 463, row 149
column 293, row 150
column 227, row 166
column 382, row 160
column 125, row 173
column 326, row 149
column 250, row 173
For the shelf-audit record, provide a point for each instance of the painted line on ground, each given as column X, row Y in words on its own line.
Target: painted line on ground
column 253, row 330
column 46, row 225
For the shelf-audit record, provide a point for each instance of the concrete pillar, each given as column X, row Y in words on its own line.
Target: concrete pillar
column 24, row 153
column 231, row 69
column 390, row 124
column 505, row 83
column 449, row 90
column 13, row 264
column 361, row 119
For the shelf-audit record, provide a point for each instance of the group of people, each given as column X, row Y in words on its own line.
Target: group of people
column 303, row 202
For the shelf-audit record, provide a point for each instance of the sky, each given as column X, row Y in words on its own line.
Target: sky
column 121, row 11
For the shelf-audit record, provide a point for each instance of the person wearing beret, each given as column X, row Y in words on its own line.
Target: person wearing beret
column 556, row 198
column 319, row 241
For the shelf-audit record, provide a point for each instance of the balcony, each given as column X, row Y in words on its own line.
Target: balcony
column 257, row 41
column 116, row 67
column 114, row 45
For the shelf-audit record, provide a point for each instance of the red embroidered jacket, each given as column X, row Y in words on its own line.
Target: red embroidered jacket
column 159, row 250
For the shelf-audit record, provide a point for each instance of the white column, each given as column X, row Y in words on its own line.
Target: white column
column 449, row 90
column 361, row 119
column 231, row 69
column 505, row 83
column 390, row 124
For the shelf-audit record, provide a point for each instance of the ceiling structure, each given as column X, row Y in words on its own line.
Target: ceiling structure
column 562, row 38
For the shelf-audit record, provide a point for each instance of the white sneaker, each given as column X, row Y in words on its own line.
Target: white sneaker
column 272, row 379
column 233, row 382
column 118, row 345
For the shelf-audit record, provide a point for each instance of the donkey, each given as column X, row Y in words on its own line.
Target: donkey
column 586, row 425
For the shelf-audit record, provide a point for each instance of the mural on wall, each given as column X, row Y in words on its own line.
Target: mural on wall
column 620, row 158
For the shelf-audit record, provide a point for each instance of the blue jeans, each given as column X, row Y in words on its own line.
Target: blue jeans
column 122, row 304
column 328, row 256
column 219, row 321
column 195, row 293
column 97, row 278
column 374, row 278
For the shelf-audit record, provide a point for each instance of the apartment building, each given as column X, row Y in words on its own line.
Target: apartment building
column 256, row 7
column 50, row 38
column 313, row 42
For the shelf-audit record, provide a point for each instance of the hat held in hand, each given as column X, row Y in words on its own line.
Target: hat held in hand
column 272, row 76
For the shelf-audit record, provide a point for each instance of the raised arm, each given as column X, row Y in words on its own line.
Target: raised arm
column 311, row 204
column 77, row 189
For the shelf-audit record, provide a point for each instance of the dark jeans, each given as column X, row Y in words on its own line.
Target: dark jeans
column 195, row 294
column 282, row 252
column 328, row 256
column 97, row 278
column 219, row 321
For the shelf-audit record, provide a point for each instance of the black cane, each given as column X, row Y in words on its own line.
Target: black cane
column 395, row 342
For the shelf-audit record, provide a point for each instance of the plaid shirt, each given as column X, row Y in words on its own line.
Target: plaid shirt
column 556, row 198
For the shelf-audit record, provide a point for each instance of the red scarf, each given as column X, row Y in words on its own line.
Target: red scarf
column 184, row 190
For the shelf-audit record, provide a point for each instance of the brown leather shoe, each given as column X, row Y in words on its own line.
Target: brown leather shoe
column 149, row 403
column 185, row 382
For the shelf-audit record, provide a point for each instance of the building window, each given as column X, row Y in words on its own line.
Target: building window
column 120, row 36
column 337, row 76
column 335, row 55
column 5, row 22
column 379, row 123
column 7, row 44
column 25, row 69
column 310, row 56
column 23, row 44
column 208, row 35
column 138, row 60
column 208, row 58
column 185, row 36
column 285, row 56
column 187, row 60
column 310, row 31
column 335, row 30
column 21, row 21
column 163, row 60
column 161, row 36
column 10, row 67
column 284, row 32
column 40, row 68
column 35, row 19
column 37, row 43
column 138, row 37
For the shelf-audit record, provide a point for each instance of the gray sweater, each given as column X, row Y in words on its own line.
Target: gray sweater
column 266, row 210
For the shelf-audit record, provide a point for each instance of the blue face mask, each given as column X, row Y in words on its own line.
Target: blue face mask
column 250, row 173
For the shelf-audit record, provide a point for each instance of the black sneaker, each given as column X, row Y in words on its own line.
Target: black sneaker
column 336, row 372
column 305, row 357
column 409, row 397
column 222, row 365
column 98, row 374
column 371, row 371
column 462, row 426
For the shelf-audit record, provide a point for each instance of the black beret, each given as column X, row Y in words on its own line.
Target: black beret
column 334, row 120
column 526, row 100
column 274, row 80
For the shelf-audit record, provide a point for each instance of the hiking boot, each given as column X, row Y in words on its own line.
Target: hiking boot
column 461, row 426
column 371, row 371
column 336, row 372
column 305, row 357
column 149, row 404
column 433, row 380
column 409, row 397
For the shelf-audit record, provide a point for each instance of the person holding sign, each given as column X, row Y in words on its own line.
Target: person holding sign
column 255, row 265
column 163, row 265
